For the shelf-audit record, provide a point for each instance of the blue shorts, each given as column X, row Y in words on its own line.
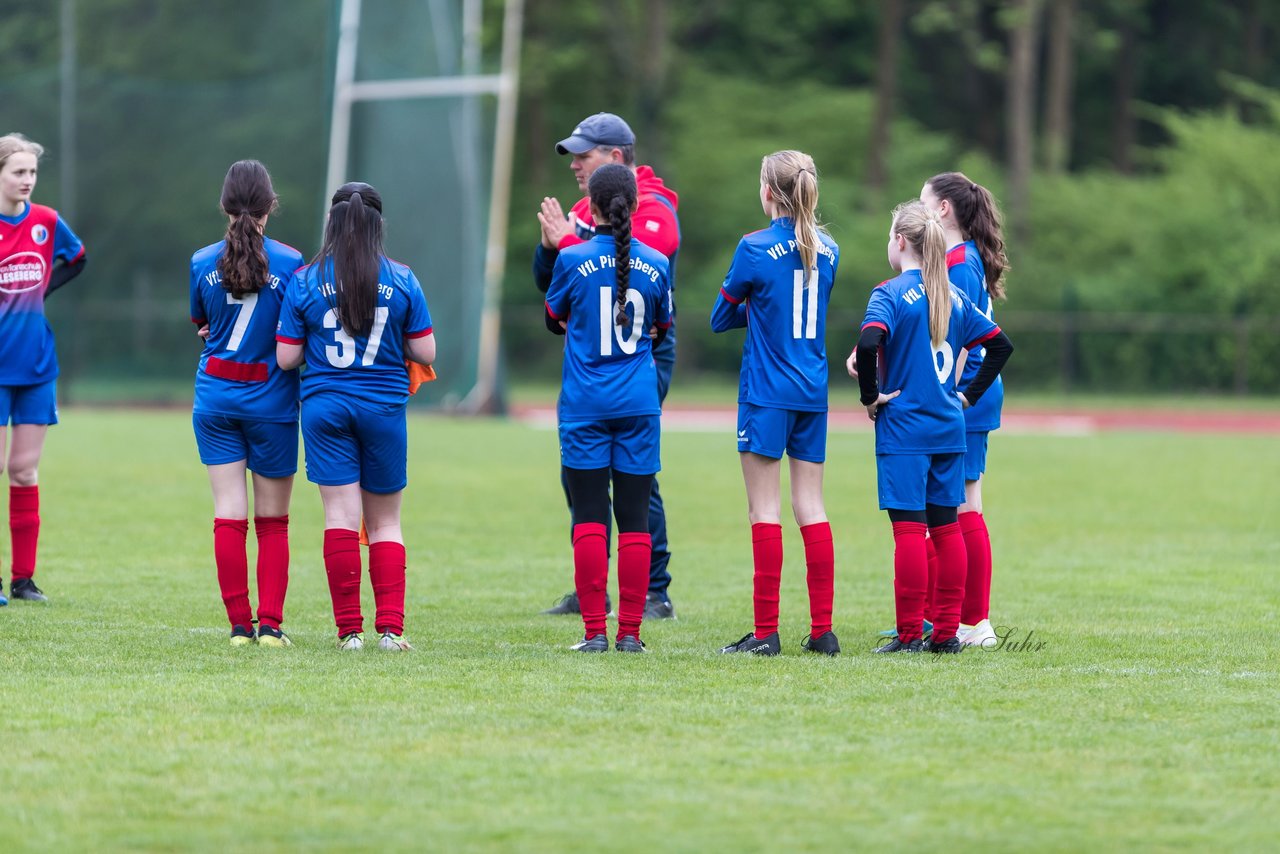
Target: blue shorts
column 29, row 404
column 349, row 440
column 270, row 448
column 975, row 458
column 909, row 481
column 630, row 445
column 768, row 432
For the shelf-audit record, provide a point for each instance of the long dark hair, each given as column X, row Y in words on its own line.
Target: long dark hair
column 353, row 241
column 979, row 217
column 613, row 191
column 247, row 196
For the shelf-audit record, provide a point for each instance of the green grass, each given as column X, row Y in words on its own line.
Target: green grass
column 1148, row 719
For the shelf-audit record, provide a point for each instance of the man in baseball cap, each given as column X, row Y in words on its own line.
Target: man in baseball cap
column 597, row 140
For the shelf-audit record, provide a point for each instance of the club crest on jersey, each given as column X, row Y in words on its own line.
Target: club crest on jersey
column 39, row 234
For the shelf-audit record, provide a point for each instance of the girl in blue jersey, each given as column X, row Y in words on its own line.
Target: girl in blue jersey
column 605, row 296
column 914, row 327
column 353, row 316
column 246, row 407
column 38, row 254
column 778, row 287
column 976, row 265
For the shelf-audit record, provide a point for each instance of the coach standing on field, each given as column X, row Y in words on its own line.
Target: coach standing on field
column 597, row 140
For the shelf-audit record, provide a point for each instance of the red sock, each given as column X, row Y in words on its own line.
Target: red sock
column 910, row 577
column 24, row 528
column 635, row 550
column 273, row 568
column 766, row 552
column 342, row 565
column 952, row 565
column 591, row 574
column 229, row 536
column 386, row 570
column 931, row 556
column 820, row 558
column 977, row 582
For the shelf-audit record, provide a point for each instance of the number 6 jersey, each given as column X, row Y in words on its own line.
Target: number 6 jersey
column 238, row 376
column 608, row 369
column 370, row 367
column 784, row 359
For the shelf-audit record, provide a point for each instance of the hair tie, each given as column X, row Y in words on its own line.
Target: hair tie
column 973, row 188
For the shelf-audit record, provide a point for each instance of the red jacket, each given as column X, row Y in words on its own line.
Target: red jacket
column 654, row 223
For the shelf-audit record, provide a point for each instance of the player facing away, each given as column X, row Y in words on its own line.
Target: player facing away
column 245, row 414
column 778, row 287
column 606, row 297
column 354, row 315
column 915, row 325
column 976, row 265
column 39, row 253
column 598, row 140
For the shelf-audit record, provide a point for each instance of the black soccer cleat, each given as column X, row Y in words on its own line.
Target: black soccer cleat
column 629, row 643
column 568, row 604
column 25, row 588
column 950, row 646
column 825, row 643
column 756, row 646
column 596, row 643
column 241, row 636
column 896, row 645
column 658, row 608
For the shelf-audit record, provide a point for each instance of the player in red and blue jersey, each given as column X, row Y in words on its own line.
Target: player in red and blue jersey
column 605, row 297
column 353, row 316
column 245, row 414
column 39, row 253
column 778, row 287
column 914, row 327
column 976, row 265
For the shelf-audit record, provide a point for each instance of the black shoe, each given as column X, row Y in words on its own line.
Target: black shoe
column 951, row 646
column 630, row 643
column 824, row 643
column 569, row 604
column 598, row 643
column 658, row 608
column 756, row 646
column 895, row 645
column 25, row 588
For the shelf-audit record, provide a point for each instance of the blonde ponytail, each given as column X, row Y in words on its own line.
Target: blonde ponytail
column 923, row 231
column 792, row 180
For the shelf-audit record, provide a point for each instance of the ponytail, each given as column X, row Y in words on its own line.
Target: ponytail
column 353, row 243
column 247, row 196
column 979, row 218
column 923, row 231
column 612, row 189
column 792, row 180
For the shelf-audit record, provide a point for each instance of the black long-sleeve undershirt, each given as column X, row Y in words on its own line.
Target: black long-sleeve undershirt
column 62, row 274
column 999, row 349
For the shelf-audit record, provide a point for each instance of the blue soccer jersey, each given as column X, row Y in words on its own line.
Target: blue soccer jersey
column 30, row 243
column 238, row 375
column 927, row 417
column 370, row 367
column 967, row 273
column 608, row 369
column 784, row 359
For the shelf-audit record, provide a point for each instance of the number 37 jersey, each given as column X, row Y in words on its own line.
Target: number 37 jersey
column 608, row 369
column 238, row 376
column 370, row 367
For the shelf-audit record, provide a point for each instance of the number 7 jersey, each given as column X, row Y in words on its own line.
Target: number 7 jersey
column 370, row 367
column 238, row 376
column 608, row 369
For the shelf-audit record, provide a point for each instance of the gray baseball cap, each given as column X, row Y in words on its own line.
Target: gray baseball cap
column 600, row 129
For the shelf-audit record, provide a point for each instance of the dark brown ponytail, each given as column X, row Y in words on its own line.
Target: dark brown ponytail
column 979, row 217
column 613, row 191
column 247, row 196
column 353, row 242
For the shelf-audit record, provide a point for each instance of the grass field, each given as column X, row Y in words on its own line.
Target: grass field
column 1144, row 564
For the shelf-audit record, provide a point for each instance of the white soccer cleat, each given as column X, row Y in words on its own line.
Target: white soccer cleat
column 392, row 642
column 352, row 642
column 981, row 636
